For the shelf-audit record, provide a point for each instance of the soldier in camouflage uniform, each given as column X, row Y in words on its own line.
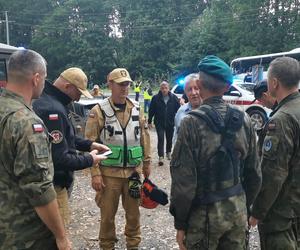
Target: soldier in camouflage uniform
column 29, row 215
column 278, row 204
column 207, row 217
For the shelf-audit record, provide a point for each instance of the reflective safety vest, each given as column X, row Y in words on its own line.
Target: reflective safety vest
column 137, row 88
column 123, row 142
column 146, row 95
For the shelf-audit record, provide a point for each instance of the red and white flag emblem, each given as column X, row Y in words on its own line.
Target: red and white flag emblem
column 38, row 128
column 53, row 117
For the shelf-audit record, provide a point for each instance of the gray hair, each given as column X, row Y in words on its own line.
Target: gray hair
column 24, row 63
column 189, row 78
column 211, row 83
column 286, row 70
column 164, row 83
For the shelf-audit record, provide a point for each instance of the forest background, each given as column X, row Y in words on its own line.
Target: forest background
column 153, row 39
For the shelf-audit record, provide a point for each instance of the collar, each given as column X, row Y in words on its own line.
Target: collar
column 161, row 95
column 286, row 100
column 9, row 94
column 129, row 104
column 187, row 107
column 50, row 89
column 214, row 100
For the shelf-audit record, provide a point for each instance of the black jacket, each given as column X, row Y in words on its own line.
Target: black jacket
column 163, row 114
column 51, row 107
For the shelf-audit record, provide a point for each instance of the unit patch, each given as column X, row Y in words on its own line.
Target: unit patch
column 91, row 115
column 57, row 136
column 37, row 127
column 267, row 145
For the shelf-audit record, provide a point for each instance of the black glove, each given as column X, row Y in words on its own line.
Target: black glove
column 134, row 186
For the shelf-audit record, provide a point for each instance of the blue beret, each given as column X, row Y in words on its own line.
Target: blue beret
column 216, row 67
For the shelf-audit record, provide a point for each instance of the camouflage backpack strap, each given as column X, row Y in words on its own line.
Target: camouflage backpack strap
column 211, row 116
column 233, row 122
column 222, row 169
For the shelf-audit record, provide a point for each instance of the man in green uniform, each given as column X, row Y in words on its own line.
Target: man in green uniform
column 214, row 167
column 278, row 203
column 29, row 215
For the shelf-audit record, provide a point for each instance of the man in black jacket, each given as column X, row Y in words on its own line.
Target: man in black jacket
column 163, row 108
column 52, row 109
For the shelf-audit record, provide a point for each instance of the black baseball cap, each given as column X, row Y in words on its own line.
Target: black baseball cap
column 259, row 89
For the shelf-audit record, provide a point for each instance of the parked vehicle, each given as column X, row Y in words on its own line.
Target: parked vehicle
column 5, row 52
column 239, row 94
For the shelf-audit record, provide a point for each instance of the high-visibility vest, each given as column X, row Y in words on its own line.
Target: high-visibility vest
column 137, row 88
column 146, row 95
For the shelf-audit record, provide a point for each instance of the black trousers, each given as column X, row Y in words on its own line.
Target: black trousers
column 161, row 132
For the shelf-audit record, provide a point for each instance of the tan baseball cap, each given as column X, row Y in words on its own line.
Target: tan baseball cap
column 78, row 78
column 119, row 75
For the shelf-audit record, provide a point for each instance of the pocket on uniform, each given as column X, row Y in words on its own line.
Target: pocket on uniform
column 39, row 145
column 98, row 198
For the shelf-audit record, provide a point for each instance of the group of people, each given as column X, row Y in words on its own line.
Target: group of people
column 223, row 178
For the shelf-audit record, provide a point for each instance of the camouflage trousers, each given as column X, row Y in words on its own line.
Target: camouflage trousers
column 63, row 203
column 108, row 201
column 216, row 227
column 278, row 234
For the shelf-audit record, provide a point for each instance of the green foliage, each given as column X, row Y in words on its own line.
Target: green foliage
column 154, row 40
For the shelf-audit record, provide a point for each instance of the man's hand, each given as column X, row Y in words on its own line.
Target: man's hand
column 100, row 147
column 63, row 244
column 179, row 238
column 150, row 126
column 146, row 171
column 97, row 183
column 253, row 221
column 96, row 157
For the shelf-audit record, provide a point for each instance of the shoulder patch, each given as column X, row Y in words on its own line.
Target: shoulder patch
column 91, row 115
column 56, row 136
column 53, row 117
column 37, row 127
column 268, row 145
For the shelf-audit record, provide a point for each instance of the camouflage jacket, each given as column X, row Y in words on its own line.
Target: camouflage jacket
column 26, row 174
column 196, row 143
column 280, row 163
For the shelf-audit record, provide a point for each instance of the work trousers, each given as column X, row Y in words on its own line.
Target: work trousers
column 161, row 132
column 284, row 237
column 146, row 105
column 63, row 203
column 137, row 96
column 108, row 201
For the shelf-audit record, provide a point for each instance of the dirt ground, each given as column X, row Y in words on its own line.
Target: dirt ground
column 156, row 224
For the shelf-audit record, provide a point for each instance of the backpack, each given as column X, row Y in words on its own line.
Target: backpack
column 222, row 173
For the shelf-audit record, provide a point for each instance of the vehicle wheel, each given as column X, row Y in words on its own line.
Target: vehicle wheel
column 258, row 118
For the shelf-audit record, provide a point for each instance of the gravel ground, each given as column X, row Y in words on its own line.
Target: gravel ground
column 156, row 224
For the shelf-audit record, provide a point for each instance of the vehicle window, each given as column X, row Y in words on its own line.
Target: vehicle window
column 3, row 76
column 231, row 89
column 179, row 89
column 246, row 86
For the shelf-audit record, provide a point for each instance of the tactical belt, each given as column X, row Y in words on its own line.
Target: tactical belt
column 220, row 195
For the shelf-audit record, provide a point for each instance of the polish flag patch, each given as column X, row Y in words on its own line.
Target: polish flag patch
column 53, row 117
column 38, row 127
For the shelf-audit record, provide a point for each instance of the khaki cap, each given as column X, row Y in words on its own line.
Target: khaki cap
column 119, row 75
column 78, row 78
